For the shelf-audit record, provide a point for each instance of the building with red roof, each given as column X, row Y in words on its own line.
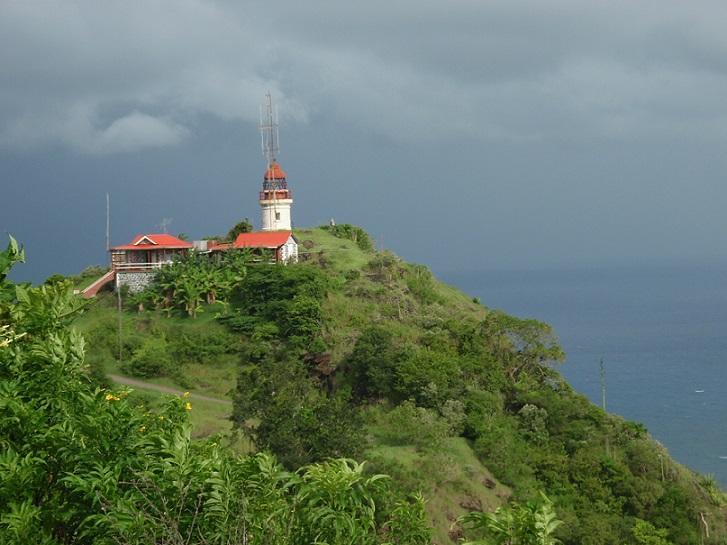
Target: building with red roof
column 134, row 264
column 282, row 243
column 158, row 241
column 148, row 252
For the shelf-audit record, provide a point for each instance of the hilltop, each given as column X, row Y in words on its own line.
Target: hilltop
column 354, row 352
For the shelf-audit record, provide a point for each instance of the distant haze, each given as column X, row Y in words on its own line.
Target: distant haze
column 461, row 134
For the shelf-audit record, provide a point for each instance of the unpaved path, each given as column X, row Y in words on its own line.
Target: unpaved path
column 165, row 389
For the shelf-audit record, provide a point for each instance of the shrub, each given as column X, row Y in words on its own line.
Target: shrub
column 152, row 359
column 533, row 420
column 480, row 407
column 198, row 346
column 428, row 377
column 55, row 279
column 408, row 424
column 503, row 451
column 282, row 408
column 371, row 363
column 353, row 274
column 421, row 283
column 351, row 232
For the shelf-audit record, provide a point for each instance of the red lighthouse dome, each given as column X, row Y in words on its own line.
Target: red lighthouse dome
column 274, row 172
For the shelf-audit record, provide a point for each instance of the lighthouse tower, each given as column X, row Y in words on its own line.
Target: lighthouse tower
column 275, row 197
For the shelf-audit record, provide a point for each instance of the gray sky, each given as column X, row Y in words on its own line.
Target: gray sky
column 465, row 134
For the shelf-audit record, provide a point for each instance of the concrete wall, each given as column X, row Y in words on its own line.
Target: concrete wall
column 136, row 281
column 280, row 207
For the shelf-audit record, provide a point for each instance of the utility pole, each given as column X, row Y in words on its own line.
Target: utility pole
column 118, row 298
column 603, row 402
column 603, row 385
column 108, row 223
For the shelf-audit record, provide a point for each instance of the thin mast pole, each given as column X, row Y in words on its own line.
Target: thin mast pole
column 108, row 222
column 603, row 385
column 603, row 404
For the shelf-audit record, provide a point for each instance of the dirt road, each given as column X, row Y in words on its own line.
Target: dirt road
column 165, row 389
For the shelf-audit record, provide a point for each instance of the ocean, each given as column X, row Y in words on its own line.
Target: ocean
column 661, row 332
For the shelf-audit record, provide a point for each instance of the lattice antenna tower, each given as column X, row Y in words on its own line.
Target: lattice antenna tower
column 269, row 130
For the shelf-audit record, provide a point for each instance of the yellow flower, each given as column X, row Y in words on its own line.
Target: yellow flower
column 161, row 417
column 186, row 395
column 112, row 397
column 142, row 429
column 188, row 406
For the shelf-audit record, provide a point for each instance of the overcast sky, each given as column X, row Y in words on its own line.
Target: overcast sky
column 461, row 134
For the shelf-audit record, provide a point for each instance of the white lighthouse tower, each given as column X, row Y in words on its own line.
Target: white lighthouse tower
column 275, row 197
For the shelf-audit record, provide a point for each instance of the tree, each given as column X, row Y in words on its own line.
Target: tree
column 372, row 363
column 283, row 410
column 523, row 345
column 243, row 226
column 646, row 534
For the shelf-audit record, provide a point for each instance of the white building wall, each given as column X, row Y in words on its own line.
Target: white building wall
column 289, row 251
column 276, row 215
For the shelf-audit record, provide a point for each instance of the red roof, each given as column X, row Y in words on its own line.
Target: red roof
column 274, row 172
column 214, row 245
column 262, row 239
column 158, row 241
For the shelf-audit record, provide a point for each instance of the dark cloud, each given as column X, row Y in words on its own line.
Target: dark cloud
column 529, row 132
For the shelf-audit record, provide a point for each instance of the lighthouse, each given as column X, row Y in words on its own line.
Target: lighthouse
column 276, row 199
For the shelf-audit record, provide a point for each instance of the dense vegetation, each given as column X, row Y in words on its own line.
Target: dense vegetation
column 354, row 353
column 84, row 465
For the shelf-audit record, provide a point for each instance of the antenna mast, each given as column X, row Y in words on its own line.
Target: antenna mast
column 269, row 130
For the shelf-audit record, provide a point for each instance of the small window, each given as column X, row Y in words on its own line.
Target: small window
column 277, row 215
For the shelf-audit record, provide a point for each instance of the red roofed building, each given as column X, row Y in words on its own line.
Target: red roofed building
column 135, row 263
column 148, row 252
column 282, row 243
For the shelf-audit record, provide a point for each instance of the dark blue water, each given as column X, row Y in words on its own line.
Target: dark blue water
column 661, row 331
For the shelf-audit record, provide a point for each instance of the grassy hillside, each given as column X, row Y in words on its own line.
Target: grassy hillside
column 355, row 353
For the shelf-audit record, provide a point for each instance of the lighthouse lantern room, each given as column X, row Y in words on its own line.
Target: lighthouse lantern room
column 276, row 199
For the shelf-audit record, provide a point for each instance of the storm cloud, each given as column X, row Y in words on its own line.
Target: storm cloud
column 609, row 116
column 74, row 72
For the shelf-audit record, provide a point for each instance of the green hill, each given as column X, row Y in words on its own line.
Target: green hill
column 355, row 353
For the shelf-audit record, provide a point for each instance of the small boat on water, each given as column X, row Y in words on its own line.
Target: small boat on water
column 698, row 391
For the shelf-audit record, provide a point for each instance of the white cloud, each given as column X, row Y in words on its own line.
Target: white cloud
column 79, row 129
column 133, row 132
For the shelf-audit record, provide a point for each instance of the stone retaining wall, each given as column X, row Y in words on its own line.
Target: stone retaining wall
column 136, row 281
